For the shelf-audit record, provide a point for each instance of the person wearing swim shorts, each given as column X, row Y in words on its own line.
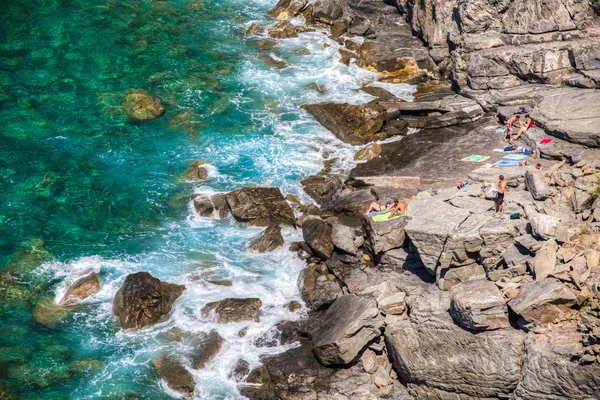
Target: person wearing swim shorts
column 509, row 126
column 499, row 200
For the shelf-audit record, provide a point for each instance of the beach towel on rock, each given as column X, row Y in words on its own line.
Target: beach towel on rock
column 507, row 163
column 500, row 130
column 546, row 141
column 475, row 158
column 382, row 217
column 514, row 156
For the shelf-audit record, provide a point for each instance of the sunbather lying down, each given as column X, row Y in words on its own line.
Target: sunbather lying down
column 395, row 206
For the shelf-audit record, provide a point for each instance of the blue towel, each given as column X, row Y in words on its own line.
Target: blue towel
column 507, row 163
column 514, row 156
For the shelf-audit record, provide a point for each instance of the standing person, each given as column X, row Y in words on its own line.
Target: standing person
column 524, row 127
column 509, row 126
column 499, row 200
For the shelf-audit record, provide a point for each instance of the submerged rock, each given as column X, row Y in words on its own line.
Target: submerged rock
column 170, row 369
column 49, row 314
column 196, row 171
column 144, row 300
column 233, row 310
column 81, row 289
column 205, row 346
column 141, row 106
column 203, row 204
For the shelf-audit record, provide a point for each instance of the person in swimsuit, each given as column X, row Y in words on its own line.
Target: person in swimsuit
column 499, row 200
column 379, row 208
column 398, row 206
column 509, row 126
column 528, row 124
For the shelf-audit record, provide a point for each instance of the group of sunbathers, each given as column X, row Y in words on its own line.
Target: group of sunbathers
column 516, row 119
column 395, row 207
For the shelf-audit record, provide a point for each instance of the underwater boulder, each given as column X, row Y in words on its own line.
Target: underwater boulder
column 141, row 105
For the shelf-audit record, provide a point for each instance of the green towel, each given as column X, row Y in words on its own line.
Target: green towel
column 384, row 217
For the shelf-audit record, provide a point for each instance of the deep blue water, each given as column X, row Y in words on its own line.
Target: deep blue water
column 82, row 187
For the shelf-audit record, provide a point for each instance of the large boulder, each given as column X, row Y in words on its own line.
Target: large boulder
column 349, row 325
column 437, row 359
column 233, row 310
column 347, row 234
column 317, row 234
column 269, row 240
column 141, row 106
column 81, row 289
column 354, row 124
column 387, row 235
column 543, row 226
column 203, row 204
column 321, row 188
column 536, row 184
column 260, row 207
column 144, row 300
column 328, row 11
column 171, row 370
column 318, row 291
column 432, row 222
column 549, row 373
column 285, row 9
column 541, row 302
column 479, row 305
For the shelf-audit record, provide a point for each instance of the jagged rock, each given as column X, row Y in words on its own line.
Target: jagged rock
column 317, row 234
column 369, row 362
column 219, row 202
column 81, row 289
column 144, row 300
column 260, row 207
column 346, row 235
column 269, row 240
column 205, row 347
column 549, row 373
column 385, row 236
column 203, row 204
column 541, row 302
column 580, row 200
column 354, row 124
column 328, row 11
column 439, row 360
column 545, row 260
column 317, row 294
column 321, row 188
column 447, row 278
column 432, row 222
column 536, row 184
column 241, row 370
column 170, row 369
column 141, row 106
column 366, row 153
column 393, row 304
column 283, row 30
column 479, row 305
column 285, row 9
column 350, row 323
column 233, row 310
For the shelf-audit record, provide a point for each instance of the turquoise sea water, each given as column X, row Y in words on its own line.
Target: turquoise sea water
column 83, row 188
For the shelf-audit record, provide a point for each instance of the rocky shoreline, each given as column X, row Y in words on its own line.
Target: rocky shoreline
column 449, row 301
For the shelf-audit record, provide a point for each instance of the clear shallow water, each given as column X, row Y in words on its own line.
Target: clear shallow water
column 81, row 187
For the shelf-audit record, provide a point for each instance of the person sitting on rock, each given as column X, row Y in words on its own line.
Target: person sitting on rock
column 509, row 126
column 378, row 207
column 538, row 166
column 528, row 124
column 397, row 207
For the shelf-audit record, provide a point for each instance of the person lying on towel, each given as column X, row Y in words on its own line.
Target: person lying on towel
column 375, row 207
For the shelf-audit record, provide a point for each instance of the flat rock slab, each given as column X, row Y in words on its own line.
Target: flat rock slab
column 350, row 323
column 479, row 305
column 434, row 155
column 260, row 207
column 571, row 114
column 541, row 302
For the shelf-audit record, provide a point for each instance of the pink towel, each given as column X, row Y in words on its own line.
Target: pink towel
column 546, row 141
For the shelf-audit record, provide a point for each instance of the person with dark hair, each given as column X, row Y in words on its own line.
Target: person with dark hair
column 499, row 200
column 528, row 124
column 398, row 206
column 509, row 126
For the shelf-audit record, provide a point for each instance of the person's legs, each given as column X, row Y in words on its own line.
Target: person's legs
column 496, row 207
column 518, row 135
column 373, row 207
column 508, row 133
